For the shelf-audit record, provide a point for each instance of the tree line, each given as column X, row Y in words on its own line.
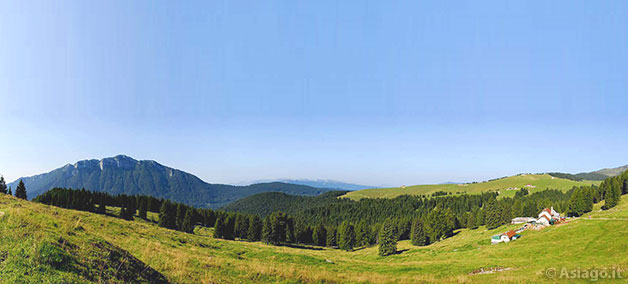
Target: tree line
column 20, row 190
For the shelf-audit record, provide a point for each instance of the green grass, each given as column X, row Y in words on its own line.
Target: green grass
column 30, row 252
column 541, row 182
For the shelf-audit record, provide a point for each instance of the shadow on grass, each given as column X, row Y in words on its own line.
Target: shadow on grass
column 402, row 251
column 301, row 246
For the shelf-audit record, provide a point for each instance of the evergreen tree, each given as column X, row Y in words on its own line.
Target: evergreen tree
column 241, row 226
column 493, row 215
column 20, row 191
column 387, row 239
column 362, row 234
column 331, row 237
column 320, row 235
column 229, row 233
column 10, row 192
column 346, row 236
column 254, row 233
column 471, row 223
column 418, row 235
column 279, row 227
column 613, row 194
column 187, row 225
column 180, row 214
column 143, row 208
column 167, row 217
column 3, row 186
column 267, row 230
column 219, row 228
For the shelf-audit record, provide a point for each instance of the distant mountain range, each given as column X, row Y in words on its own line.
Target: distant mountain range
column 124, row 175
column 595, row 175
column 327, row 183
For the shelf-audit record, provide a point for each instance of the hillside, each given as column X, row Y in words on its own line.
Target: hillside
column 268, row 202
column 537, row 181
column 36, row 237
column 612, row 171
column 125, row 175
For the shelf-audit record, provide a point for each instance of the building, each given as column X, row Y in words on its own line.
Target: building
column 522, row 220
column 505, row 237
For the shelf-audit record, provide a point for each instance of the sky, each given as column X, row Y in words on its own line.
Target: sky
column 380, row 93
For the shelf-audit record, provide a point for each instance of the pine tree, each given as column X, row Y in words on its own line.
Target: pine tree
column 166, row 216
column 418, row 235
column 187, row 225
column 241, row 226
column 613, row 194
column 20, row 191
column 346, row 236
column 387, row 239
column 219, row 228
column 229, row 233
column 320, row 235
column 180, row 215
column 3, row 186
column 267, row 230
column 10, row 192
column 332, row 240
column 493, row 215
column 254, row 233
column 143, row 208
column 471, row 224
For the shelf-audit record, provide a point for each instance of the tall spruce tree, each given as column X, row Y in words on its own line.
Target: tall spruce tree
column 187, row 225
column 219, row 228
column 254, row 233
column 10, row 192
column 332, row 234
column 320, row 235
column 418, row 235
column 346, row 236
column 387, row 239
column 20, row 191
column 613, row 194
column 493, row 215
column 267, row 230
column 143, row 208
column 3, row 186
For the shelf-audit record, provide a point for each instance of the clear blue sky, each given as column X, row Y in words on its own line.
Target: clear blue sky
column 371, row 92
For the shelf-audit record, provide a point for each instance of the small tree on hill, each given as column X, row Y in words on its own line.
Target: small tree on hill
column 3, row 186
column 10, row 192
column 20, row 191
column 387, row 239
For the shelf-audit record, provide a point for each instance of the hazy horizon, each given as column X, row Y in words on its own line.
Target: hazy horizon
column 380, row 94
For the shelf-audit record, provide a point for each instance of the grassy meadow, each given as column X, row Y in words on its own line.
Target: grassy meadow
column 45, row 244
column 540, row 181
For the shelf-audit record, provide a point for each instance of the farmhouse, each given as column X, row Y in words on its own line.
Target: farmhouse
column 505, row 237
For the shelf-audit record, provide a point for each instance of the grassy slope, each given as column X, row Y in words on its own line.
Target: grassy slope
column 541, row 182
column 199, row 258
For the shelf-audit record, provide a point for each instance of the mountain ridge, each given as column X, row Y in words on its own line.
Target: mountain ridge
column 122, row 174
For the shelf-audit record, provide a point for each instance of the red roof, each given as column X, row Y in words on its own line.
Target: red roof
column 510, row 234
column 548, row 211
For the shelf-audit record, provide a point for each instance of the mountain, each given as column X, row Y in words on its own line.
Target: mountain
column 596, row 175
column 327, row 183
column 612, row 171
column 124, row 175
